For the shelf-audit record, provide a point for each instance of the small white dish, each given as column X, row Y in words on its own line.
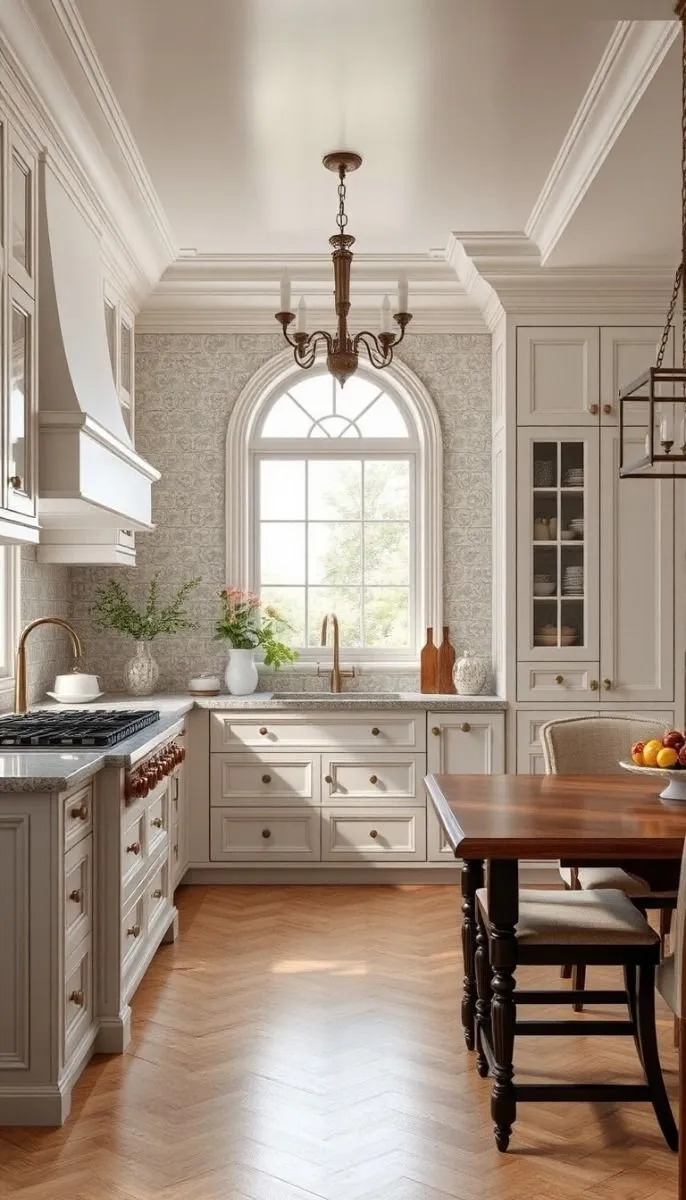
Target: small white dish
column 62, row 698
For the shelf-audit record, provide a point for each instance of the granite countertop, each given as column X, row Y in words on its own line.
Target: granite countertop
column 58, row 771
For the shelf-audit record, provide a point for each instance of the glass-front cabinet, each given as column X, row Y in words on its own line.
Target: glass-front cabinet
column 20, row 417
column 557, row 551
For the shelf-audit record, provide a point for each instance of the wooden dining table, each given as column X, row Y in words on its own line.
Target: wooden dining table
column 503, row 819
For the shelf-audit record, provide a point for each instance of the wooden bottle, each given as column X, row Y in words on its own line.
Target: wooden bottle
column 446, row 662
column 428, row 665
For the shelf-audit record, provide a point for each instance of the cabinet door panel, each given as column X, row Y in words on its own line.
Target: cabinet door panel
column 558, row 376
column 396, row 835
column 460, row 744
column 557, row 684
column 21, row 416
column 625, row 353
column 529, row 748
column 21, row 194
column 286, row 834
column 637, row 586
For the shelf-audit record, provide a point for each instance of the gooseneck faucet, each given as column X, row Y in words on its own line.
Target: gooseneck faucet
column 20, row 697
column 336, row 673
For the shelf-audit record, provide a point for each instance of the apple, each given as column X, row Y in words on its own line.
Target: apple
column 682, row 756
column 637, row 748
column 674, row 740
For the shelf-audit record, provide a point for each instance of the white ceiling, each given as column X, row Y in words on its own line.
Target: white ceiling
column 459, row 108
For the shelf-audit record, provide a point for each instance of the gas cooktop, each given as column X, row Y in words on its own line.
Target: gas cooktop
column 45, row 729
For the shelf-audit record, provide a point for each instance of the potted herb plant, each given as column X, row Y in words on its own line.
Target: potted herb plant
column 114, row 610
column 248, row 626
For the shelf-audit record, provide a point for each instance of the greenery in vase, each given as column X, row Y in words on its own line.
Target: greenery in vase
column 114, row 610
column 248, row 626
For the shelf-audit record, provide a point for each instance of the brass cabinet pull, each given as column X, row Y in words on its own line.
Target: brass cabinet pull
column 133, row 931
column 373, row 833
column 176, row 850
column 559, row 678
column 328, row 779
column 436, row 731
column 266, row 778
column 375, row 731
column 263, row 730
column 76, row 997
column 607, row 684
column 16, row 482
column 127, row 533
column 607, row 409
column 266, row 833
column 80, row 813
column 134, row 848
column 157, row 822
column 156, row 893
column 593, row 685
column 465, row 727
column 593, row 409
column 76, row 895
column 373, row 778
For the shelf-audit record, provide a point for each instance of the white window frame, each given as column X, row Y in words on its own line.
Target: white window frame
column 243, row 451
column 9, row 617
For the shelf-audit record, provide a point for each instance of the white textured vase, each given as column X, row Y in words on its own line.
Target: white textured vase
column 141, row 672
column 241, row 672
column 471, row 674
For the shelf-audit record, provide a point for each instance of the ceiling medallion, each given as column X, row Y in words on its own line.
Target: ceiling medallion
column 661, row 390
column 342, row 350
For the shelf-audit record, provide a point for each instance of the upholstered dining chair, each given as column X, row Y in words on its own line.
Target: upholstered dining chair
column 671, row 984
column 594, row 746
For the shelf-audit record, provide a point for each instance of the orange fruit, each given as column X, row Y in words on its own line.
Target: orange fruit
column 667, row 757
column 651, row 751
column 637, row 757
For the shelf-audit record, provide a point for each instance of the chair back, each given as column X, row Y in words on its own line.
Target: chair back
column 593, row 745
column 677, row 942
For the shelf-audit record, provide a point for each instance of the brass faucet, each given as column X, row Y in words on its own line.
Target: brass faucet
column 336, row 673
column 20, row 699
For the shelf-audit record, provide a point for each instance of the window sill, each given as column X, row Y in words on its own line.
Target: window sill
column 366, row 667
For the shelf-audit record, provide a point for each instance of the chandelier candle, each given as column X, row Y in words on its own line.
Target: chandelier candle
column 342, row 350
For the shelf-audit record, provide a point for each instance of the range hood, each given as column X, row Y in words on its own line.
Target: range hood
column 89, row 472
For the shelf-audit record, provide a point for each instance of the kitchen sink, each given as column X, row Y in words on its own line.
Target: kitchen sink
column 341, row 697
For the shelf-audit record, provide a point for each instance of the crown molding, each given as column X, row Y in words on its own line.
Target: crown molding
column 631, row 59
column 50, row 118
column 225, row 293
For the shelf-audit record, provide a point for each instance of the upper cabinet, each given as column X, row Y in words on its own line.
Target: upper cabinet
column 21, row 203
column 625, row 353
column 558, row 375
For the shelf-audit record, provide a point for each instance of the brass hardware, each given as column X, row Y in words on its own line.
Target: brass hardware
column 76, row 997
column 15, row 481
column 20, row 696
column 607, row 685
column 134, row 848
column 176, row 850
column 593, row 685
column 559, row 678
column 465, row 727
column 342, row 350
column 263, row 730
column 156, row 893
column 76, row 895
column 127, row 532
column 157, row 822
column 336, row 673
column 266, row 778
column 375, row 731
column 81, row 813
column 593, row 409
column 373, row 833
column 328, row 779
column 373, row 778
column 133, row 931
column 436, row 731
column 607, row 409
column 266, row 833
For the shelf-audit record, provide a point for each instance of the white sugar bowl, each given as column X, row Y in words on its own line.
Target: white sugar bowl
column 471, row 674
column 204, row 685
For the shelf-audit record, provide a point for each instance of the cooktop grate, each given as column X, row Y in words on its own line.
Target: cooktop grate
column 97, row 727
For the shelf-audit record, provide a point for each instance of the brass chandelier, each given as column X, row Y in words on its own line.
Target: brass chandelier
column 342, row 350
column 661, row 390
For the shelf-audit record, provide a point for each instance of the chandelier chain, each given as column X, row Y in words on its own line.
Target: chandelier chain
column 342, row 217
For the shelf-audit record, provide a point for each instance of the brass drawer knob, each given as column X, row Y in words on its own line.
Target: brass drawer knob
column 593, row 409
column 76, row 997
column 80, row 813
column 133, row 931
column 263, row 730
column 607, row 409
column 156, row 893
column 593, row 685
column 373, row 833
column 436, row 731
column 266, row 833
column 375, row 732
column 16, row 482
column 134, row 848
column 465, row 727
column 607, row 685
column 559, row 679
column 157, row 822
column 373, row 778
column 328, row 779
column 266, row 778
column 76, row 895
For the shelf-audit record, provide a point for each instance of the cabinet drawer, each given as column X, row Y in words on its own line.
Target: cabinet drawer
column 78, row 815
column 134, row 834
column 158, row 892
column 374, row 730
column 377, row 779
column 558, row 682
column 394, row 834
column 157, row 807
column 133, row 931
column 78, row 893
column 276, row 833
column 277, row 778
column 78, row 996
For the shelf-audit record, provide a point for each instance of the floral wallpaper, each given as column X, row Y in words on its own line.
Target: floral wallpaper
column 186, row 385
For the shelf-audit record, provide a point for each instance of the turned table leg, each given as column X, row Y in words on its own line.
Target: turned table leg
column 503, row 911
column 472, row 879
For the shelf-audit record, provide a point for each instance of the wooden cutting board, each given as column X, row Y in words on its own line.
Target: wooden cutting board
column 428, row 665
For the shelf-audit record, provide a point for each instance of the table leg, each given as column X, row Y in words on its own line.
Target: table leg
column 503, row 908
column 472, row 879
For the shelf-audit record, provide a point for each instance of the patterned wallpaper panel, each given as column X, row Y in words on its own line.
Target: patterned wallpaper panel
column 186, row 385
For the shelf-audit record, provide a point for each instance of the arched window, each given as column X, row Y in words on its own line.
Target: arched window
column 333, row 503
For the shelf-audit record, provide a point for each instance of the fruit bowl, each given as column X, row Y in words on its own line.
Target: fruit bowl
column 676, row 788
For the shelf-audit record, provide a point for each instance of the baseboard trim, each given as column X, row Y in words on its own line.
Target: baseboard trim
column 114, row 1033
column 535, row 874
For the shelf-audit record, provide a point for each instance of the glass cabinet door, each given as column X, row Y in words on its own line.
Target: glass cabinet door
column 20, row 409
column 22, row 200
column 558, row 592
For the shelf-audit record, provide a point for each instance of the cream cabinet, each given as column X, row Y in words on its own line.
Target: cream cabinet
column 558, row 375
column 461, row 744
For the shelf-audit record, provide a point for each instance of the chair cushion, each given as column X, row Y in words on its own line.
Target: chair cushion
column 604, row 917
column 665, row 981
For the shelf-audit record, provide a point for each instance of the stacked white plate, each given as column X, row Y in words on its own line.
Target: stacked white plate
column 573, row 581
column 574, row 477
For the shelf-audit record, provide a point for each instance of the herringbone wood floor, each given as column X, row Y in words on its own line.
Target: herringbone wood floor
column 304, row 1044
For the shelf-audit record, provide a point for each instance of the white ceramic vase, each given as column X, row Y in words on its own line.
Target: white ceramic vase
column 141, row 672
column 241, row 672
column 471, row 674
